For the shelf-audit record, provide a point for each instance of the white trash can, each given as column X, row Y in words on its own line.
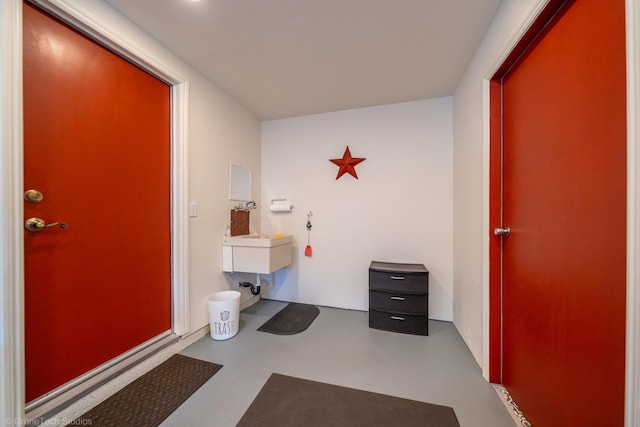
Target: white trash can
column 224, row 314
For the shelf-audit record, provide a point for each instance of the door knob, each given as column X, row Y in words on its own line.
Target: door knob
column 37, row 224
column 502, row 232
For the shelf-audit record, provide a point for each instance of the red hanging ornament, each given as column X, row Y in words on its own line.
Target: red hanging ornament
column 347, row 164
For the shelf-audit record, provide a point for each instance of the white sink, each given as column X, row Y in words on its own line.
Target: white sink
column 256, row 253
column 257, row 241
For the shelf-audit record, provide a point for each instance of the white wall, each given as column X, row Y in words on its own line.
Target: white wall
column 220, row 130
column 399, row 210
column 470, row 211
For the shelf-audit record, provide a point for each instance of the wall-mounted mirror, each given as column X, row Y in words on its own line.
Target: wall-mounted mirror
column 239, row 183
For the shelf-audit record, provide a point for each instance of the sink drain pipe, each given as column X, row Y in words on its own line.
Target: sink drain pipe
column 255, row 289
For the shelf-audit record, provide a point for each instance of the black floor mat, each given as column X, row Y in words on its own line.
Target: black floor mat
column 147, row 401
column 292, row 319
column 290, row 402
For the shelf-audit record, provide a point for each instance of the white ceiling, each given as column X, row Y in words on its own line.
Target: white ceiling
column 285, row 58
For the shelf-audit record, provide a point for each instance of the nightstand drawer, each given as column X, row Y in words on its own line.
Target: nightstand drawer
column 398, row 302
column 395, row 322
column 398, row 281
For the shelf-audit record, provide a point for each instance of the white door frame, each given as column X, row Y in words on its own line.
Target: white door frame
column 12, row 393
column 632, row 386
column 632, row 407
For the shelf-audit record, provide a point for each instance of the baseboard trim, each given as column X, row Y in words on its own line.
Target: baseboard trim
column 249, row 302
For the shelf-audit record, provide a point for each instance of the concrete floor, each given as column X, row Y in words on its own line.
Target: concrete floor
column 340, row 348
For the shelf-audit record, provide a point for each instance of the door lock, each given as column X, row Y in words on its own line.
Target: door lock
column 33, row 196
column 37, row 224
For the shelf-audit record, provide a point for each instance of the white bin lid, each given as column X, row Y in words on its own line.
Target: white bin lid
column 224, row 296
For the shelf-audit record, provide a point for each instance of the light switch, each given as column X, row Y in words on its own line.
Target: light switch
column 193, row 209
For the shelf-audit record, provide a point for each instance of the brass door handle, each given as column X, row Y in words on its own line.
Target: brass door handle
column 38, row 224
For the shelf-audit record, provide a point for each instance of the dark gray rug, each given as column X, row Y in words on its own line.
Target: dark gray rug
column 147, row 401
column 288, row 401
column 292, row 319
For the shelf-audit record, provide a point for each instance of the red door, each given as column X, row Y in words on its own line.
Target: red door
column 97, row 146
column 564, row 198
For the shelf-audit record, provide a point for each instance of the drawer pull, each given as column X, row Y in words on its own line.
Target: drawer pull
column 397, row 298
column 397, row 318
column 397, row 278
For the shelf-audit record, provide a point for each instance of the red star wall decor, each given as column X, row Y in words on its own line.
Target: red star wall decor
column 347, row 164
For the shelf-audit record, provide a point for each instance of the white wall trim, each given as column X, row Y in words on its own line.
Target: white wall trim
column 180, row 197
column 632, row 392
column 11, row 243
column 531, row 17
column 486, row 150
